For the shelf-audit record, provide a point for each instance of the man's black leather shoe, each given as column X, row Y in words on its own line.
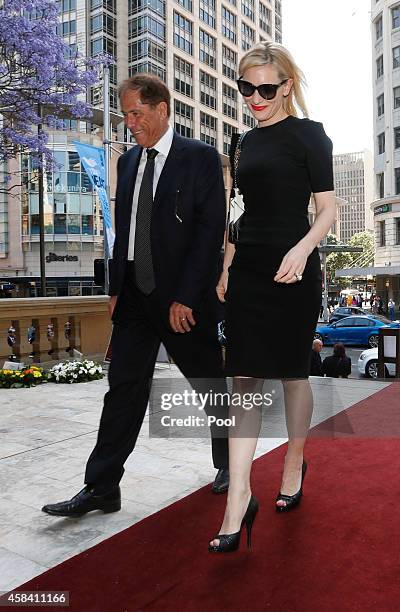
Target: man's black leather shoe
column 86, row 501
column 221, row 482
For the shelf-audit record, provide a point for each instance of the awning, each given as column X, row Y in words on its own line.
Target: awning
column 369, row 271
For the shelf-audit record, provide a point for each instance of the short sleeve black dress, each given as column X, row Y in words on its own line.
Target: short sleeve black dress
column 270, row 326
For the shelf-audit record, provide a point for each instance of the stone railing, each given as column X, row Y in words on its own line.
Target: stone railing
column 55, row 327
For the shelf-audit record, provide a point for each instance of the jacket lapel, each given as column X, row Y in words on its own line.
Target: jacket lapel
column 171, row 168
column 130, row 180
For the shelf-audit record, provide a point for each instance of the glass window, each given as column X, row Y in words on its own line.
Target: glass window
column 183, row 76
column 397, row 180
column 378, row 28
column 59, row 182
column 74, row 225
column 396, row 17
column 183, row 33
column 396, row 97
column 74, row 203
column 74, row 161
column 187, row 4
column 396, row 58
column 60, row 224
column 345, row 323
column 34, row 204
column 381, row 143
column 379, row 66
column 382, row 233
column 73, row 182
column 35, row 224
column 397, row 137
column 87, row 205
column 87, row 225
column 60, row 158
column 59, row 203
column 397, row 221
column 381, row 105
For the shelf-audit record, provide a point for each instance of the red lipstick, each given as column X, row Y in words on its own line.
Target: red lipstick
column 257, row 108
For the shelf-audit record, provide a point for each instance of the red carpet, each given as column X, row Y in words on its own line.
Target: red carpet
column 339, row 551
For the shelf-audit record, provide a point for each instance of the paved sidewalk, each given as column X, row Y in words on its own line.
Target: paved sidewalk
column 46, row 435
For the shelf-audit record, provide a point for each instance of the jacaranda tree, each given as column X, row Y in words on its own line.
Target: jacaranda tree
column 38, row 70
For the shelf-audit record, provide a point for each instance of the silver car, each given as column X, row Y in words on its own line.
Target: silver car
column 368, row 364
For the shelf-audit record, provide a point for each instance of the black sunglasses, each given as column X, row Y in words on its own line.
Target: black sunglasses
column 266, row 90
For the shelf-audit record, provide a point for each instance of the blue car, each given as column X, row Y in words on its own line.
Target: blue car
column 355, row 330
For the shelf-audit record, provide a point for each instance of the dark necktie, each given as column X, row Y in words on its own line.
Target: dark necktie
column 143, row 260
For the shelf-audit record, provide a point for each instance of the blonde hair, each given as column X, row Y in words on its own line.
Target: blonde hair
column 278, row 56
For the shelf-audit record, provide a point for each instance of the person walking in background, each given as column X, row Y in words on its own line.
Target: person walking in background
column 337, row 365
column 275, row 261
column 391, row 307
column 316, row 363
column 170, row 218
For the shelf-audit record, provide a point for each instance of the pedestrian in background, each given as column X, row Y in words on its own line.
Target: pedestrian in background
column 316, row 362
column 391, row 307
column 337, row 365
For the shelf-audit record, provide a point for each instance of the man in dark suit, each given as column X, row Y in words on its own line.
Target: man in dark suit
column 169, row 220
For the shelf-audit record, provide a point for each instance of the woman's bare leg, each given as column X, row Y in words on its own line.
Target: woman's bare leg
column 298, row 412
column 242, row 445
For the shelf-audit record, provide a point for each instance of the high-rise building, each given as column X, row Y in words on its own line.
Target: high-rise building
column 353, row 176
column 194, row 45
column 385, row 16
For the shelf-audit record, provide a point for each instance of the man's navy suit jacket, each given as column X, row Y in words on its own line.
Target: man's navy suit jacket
column 187, row 227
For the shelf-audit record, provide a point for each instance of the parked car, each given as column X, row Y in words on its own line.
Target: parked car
column 346, row 311
column 368, row 364
column 354, row 331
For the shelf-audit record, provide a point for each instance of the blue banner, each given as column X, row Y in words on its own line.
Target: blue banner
column 93, row 161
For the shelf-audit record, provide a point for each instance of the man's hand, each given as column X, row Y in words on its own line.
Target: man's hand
column 222, row 286
column 181, row 318
column 111, row 304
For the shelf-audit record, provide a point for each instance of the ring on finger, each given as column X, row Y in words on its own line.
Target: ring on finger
column 298, row 276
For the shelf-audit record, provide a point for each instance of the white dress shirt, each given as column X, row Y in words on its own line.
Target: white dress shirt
column 163, row 147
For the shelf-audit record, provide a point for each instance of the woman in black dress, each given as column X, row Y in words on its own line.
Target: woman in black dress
column 273, row 295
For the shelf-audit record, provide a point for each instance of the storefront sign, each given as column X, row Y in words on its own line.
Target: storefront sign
column 54, row 257
column 384, row 208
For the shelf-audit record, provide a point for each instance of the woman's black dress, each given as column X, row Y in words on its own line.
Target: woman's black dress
column 270, row 326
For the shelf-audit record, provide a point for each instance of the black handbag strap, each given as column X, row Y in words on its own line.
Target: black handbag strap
column 236, row 158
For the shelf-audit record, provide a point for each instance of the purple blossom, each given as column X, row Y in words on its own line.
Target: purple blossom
column 36, row 68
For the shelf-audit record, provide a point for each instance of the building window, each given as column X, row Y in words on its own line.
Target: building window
column 378, row 28
column 233, row 2
column 396, row 17
column 397, row 137
column 229, row 25
column 109, row 5
column 248, row 36
column 208, row 90
column 208, row 129
column 229, row 101
column 229, row 63
column 66, row 28
column 248, row 9
column 379, row 66
column 183, row 76
column 248, row 118
column 65, row 6
column 396, row 57
column 148, row 67
column 184, row 119
column 397, row 180
column 103, row 22
column 208, row 49
column 396, row 97
column 381, row 143
column 397, row 221
column 146, row 48
column 381, row 105
column 158, row 6
column 380, row 179
column 183, row 33
column 145, row 23
column 207, row 12
column 265, row 18
column 187, row 4
column 228, row 130
column 382, row 234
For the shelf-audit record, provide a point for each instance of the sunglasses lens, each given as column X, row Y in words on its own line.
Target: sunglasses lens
column 246, row 88
column 268, row 91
